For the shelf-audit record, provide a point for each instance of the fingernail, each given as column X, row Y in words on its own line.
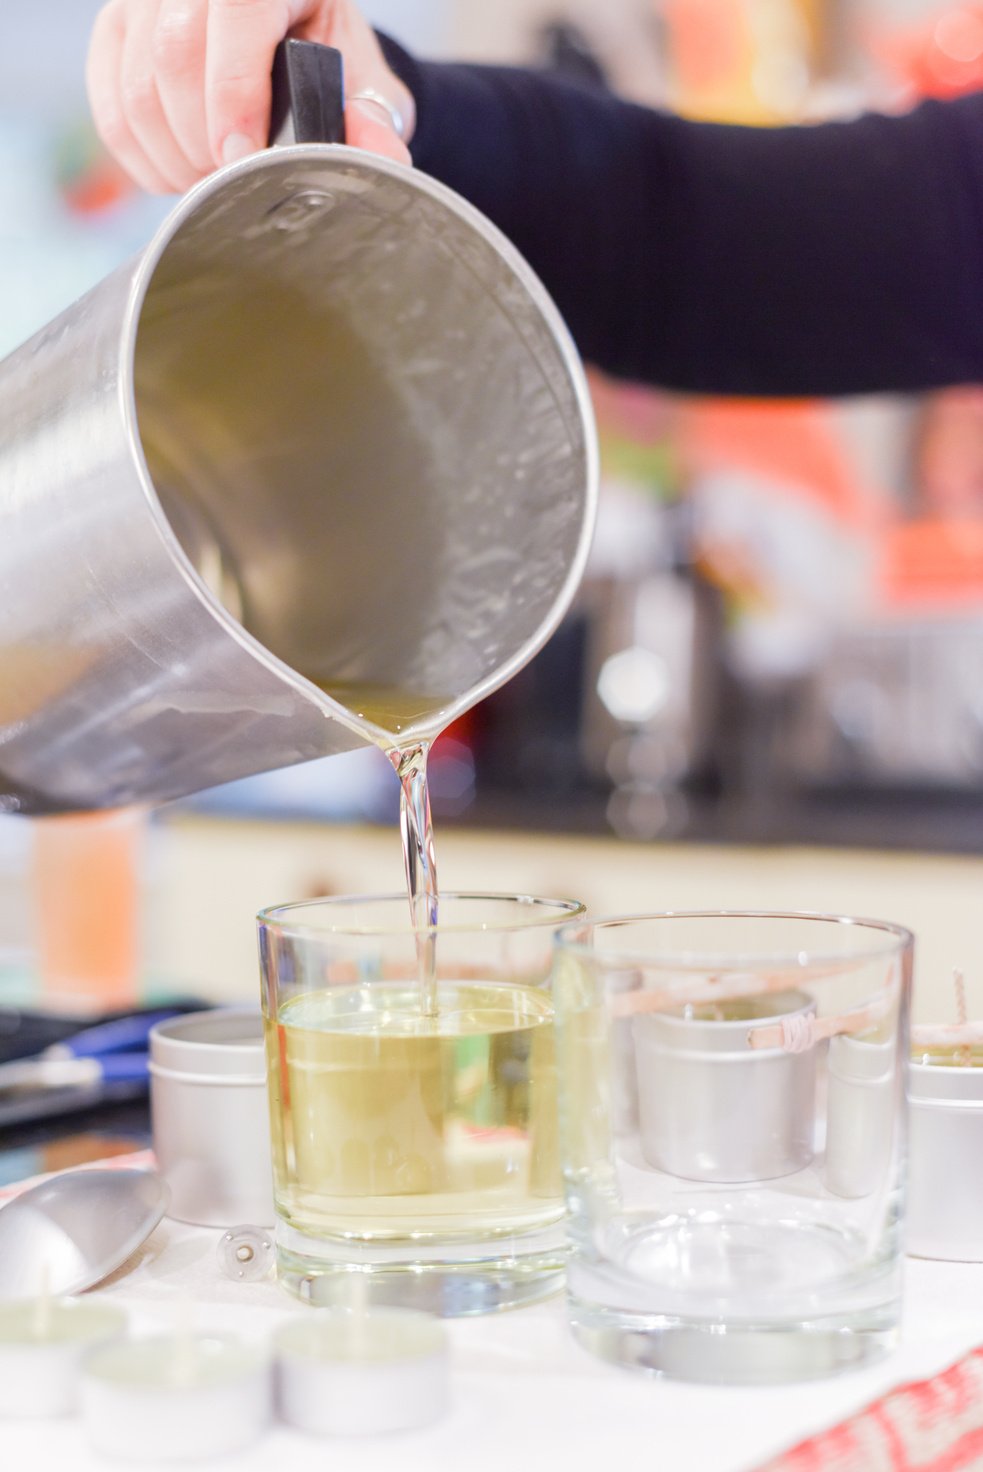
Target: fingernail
column 237, row 146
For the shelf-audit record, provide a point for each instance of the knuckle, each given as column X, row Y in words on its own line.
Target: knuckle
column 112, row 127
column 237, row 6
column 236, row 94
column 182, row 179
column 176, row 43
column 139, row 94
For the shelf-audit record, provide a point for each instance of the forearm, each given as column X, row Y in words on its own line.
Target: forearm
column 835, row 259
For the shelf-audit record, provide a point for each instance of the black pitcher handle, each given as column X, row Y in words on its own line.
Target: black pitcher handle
column 308, row 94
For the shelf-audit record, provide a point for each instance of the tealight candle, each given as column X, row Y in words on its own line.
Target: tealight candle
column 350, row 1372
column 174, row 1398
column 42, row 1344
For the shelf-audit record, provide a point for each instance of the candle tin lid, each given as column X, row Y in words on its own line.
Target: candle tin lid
column 75, row 1228
column 225, row 1044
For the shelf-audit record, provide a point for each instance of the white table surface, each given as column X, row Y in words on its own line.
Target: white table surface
column 524, row 1395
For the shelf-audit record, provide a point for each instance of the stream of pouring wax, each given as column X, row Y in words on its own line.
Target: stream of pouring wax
column 416, row 831
column 393, row 710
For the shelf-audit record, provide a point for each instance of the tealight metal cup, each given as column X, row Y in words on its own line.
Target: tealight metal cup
column 860, row 1106
column 945, row 1147
column 712, row 1107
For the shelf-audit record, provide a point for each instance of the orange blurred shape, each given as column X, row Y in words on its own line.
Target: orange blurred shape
column 99, row 187
column 710, row 43
column 741, row 61
column 86, row 892
column 632, row 410
column 941, row 56
column 933, row 564
column 794, row 446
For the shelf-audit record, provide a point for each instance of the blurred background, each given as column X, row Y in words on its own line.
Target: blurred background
column 780, row 637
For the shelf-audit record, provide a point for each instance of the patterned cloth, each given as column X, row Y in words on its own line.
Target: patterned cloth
column 931, row 1425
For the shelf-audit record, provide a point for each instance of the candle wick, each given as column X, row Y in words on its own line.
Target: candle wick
column 359, row 1310
column 963, row 1054
column 183, row 1357
column 41, row 1325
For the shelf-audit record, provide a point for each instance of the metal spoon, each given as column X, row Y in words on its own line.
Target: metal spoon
column 75, row 1229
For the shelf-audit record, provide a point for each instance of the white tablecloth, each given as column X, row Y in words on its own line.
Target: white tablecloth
column 523, row 1393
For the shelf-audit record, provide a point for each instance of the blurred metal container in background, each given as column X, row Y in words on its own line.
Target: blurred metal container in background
column 651, row 677
column 897, row 703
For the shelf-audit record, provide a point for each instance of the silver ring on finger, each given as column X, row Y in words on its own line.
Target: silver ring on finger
column 393, row 114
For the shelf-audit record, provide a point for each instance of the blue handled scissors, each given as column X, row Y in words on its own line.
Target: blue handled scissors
column 108, row 1052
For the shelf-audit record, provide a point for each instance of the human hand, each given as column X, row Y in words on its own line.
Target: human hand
column 178, row 87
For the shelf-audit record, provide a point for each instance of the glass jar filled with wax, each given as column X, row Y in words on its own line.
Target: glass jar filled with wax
column 413, row 1099
column 731, row 1108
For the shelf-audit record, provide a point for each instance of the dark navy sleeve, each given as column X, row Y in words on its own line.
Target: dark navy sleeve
column 837, row 258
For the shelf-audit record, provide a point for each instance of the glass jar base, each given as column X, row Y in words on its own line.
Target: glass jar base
column 733, row 1354
column 451, row 1291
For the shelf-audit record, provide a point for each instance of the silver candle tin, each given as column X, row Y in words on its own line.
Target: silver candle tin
column 712, row 1108
column 862, row 1086
column 210, row 1118
column 945, row 1150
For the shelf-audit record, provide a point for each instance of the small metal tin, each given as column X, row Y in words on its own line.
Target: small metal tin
column 860, row 1110
column 711, row 1108
column 210, row 1119
column 945, row 1147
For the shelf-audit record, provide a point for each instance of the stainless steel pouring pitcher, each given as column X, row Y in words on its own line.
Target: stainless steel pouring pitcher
column 317, row 466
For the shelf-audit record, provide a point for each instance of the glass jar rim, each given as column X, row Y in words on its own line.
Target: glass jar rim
column 566, row 940
column 284, row 917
